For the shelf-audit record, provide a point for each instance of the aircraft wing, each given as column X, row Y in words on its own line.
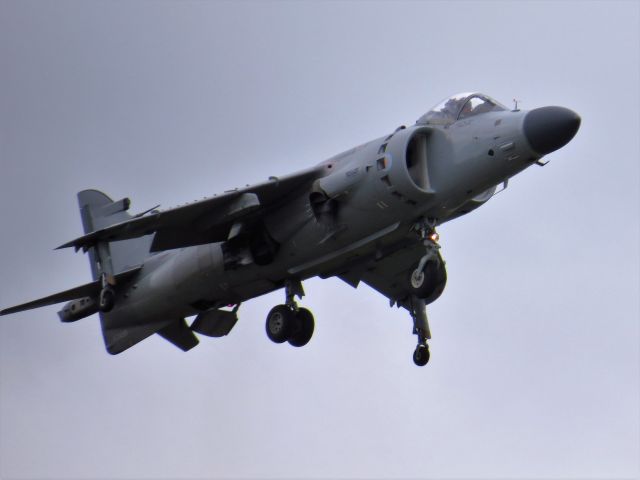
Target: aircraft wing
column 88, row 290
column 204, row 221
column 389, row 274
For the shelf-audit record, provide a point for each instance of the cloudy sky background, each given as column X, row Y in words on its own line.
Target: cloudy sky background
column 535, row 351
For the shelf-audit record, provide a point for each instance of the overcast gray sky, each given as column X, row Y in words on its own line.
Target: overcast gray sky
column 535, row 351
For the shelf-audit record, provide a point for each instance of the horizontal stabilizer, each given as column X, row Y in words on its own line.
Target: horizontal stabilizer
column 88, row 290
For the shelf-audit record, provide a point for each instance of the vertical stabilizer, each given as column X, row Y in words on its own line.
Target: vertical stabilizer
column 98, row 211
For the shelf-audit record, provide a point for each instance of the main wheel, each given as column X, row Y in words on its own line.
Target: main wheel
column 421, row 355
column 280, row 323
column 304, row 326
column 107, row 300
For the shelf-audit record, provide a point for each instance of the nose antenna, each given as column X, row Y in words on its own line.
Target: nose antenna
column 515, row 105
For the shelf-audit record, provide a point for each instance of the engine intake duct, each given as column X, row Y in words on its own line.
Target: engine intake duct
column 416, row 161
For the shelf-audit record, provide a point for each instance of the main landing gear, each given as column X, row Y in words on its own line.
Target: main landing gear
column 288, row 322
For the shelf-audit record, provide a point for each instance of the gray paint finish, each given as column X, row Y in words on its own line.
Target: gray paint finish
column 355, row 216
column 167, row 102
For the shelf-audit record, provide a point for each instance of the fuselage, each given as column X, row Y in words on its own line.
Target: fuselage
column 366, row 215
column 367, row 201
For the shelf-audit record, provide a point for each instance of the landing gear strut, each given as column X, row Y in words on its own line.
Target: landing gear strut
column 423, row 279
column 423, row 284
column 288, row 322
column 107, row 298
column 421, row 329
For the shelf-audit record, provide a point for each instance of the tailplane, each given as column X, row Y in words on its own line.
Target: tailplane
column 114, row 265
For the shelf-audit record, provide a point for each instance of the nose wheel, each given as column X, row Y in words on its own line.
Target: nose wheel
column 421, row 355
column 418, row 311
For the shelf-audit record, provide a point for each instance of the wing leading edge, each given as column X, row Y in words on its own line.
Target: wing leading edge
column 204, row 221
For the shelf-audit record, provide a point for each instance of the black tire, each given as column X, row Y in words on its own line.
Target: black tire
column 424, row 284
column 280, row 323
column 107, row 300
column 421, row 355
column 303, row 332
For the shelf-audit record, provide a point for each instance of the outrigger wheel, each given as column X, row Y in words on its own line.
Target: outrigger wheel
column 107, row 299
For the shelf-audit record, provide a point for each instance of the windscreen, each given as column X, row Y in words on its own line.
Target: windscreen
column 462, row 105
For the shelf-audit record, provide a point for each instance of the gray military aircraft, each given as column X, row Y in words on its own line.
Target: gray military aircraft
column 366, row 215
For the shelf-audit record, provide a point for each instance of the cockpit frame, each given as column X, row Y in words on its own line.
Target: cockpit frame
column 458, row 107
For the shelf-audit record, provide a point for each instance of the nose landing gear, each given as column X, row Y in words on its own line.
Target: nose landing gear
column 418, row 312
column 425, row 283
column 288, row 322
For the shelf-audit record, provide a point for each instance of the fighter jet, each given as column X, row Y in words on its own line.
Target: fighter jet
column 365, row 215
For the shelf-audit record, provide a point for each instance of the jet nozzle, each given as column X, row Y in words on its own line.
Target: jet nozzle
column 549, row 128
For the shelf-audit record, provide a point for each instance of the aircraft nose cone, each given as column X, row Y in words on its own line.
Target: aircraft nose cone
column 549, row 128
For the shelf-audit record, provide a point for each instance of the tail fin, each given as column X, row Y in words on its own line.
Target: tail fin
column 99, row 211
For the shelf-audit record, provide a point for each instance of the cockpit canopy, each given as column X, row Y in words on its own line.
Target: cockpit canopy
column 457, row 107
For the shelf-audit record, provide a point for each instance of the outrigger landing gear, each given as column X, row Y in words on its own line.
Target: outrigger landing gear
column 421, row 329
column 107, row 298
column 288, row 322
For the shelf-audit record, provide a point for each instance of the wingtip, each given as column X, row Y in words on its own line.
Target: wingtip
column 9, row 311
column 73, row 243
